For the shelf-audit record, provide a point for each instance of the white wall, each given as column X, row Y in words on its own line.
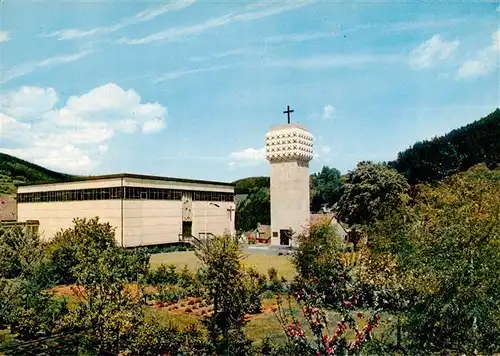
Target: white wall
column 87, row 184
column 217, row 218
column 55, row 216
column 289, row 198
column 150, row 222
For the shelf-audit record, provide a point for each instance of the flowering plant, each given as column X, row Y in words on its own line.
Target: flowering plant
column 314, row 335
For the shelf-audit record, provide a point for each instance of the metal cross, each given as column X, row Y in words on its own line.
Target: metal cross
column 230, row 211
column 288, row 112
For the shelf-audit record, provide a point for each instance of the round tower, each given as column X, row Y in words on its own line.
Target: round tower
column 289, row 148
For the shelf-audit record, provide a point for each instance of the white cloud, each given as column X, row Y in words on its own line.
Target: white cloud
column 245, row 51
column 485, row 62
column 300, row 37
column 247, row 157
column 143, row 16
column 334, row 60
column 183, row 72
column 79, row 131
column 68, row 158
column 4, row 36
column 432, row 51
column 10, row 127
column 328, row 112
column 252, row 12
column 28, row 67
column 28, row 101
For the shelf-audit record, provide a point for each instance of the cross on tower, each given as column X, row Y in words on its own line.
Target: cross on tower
column 288, row 112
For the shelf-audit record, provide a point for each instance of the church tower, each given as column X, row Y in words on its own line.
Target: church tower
column 289, row 148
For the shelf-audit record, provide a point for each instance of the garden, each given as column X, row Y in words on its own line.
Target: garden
column 416, row 275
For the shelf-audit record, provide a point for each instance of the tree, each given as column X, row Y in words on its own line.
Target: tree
column 256, row 208
column 325, row 188
column 20, row 252
column 109, row 311
column 228, row 290
column 460, row 149
column 447, row 247
column 370, row 192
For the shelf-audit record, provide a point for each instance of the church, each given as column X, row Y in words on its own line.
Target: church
column 144, row 210
column 151, row 210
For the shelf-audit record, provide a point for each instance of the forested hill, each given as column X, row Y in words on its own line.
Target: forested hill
column 15, row 170
column 460, row 149
column 245, row 185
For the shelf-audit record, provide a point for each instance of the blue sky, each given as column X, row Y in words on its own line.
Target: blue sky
column 190, row 88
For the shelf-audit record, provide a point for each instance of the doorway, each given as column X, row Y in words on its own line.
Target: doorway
column 187, row 228
column 285, row 236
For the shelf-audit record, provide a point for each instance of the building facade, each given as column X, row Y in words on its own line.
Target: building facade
column 145, row 210
column 289, row 148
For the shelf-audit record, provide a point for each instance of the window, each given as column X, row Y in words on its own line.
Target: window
column 118, row 193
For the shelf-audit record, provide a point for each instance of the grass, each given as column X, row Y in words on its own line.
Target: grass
column 259, row 261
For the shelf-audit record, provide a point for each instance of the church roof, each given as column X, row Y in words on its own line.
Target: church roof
column 131, row 175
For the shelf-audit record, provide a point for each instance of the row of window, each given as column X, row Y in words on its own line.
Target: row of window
column 119, row 193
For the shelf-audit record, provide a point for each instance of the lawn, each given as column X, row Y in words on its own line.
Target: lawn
column 259, row 260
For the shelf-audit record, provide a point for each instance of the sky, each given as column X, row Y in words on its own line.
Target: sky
column 189, row 88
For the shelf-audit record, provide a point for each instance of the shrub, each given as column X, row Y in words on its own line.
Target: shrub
column 20, row 252
column 163, row 274
column 61, row 251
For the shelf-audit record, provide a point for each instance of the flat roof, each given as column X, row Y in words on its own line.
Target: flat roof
column 128, row 175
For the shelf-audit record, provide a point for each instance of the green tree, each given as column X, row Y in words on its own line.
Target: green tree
column 228, row 290
column 370, row 192
column 256, row 208
column 325, row 188
column 20, row 252
column 109, row 311
column 447, row 247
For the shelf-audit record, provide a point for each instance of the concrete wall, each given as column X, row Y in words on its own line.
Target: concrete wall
column 55, row 216
column 151, row 222
column 8, row 208
column 218, row 221
column 88, row 184
column 145, row 222
column 135, row 182
column 289, row 197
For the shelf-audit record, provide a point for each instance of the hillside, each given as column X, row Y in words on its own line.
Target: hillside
column 15, row 170
column 245, row 185
column 460, row 149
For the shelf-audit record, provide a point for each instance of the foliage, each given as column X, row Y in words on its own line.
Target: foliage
column 250, row 184
column 370, row 192
column 61, row 252
column 256, row 208
column 164, row 274
column 20, row 252
column 28, row 311
column 169, row 248
column 325, row 281
column 325, row 340
column 456, row 151
column 447, row 248
column 224, row 279
column 111, row 313
column 325, row 188
column 15, row 170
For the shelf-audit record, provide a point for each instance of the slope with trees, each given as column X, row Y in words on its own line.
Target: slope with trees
column 460, row 149
column 14, row 170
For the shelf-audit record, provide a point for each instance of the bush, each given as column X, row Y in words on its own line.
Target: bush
column 20, row 252
column 169, row 294
column 27, row 311
column 163, row 274
column 61, row 251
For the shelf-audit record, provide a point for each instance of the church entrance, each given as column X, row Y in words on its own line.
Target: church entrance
column 187, row 228
column 285, row 237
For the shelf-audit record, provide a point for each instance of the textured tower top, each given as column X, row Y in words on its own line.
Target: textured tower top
column 289, row 143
